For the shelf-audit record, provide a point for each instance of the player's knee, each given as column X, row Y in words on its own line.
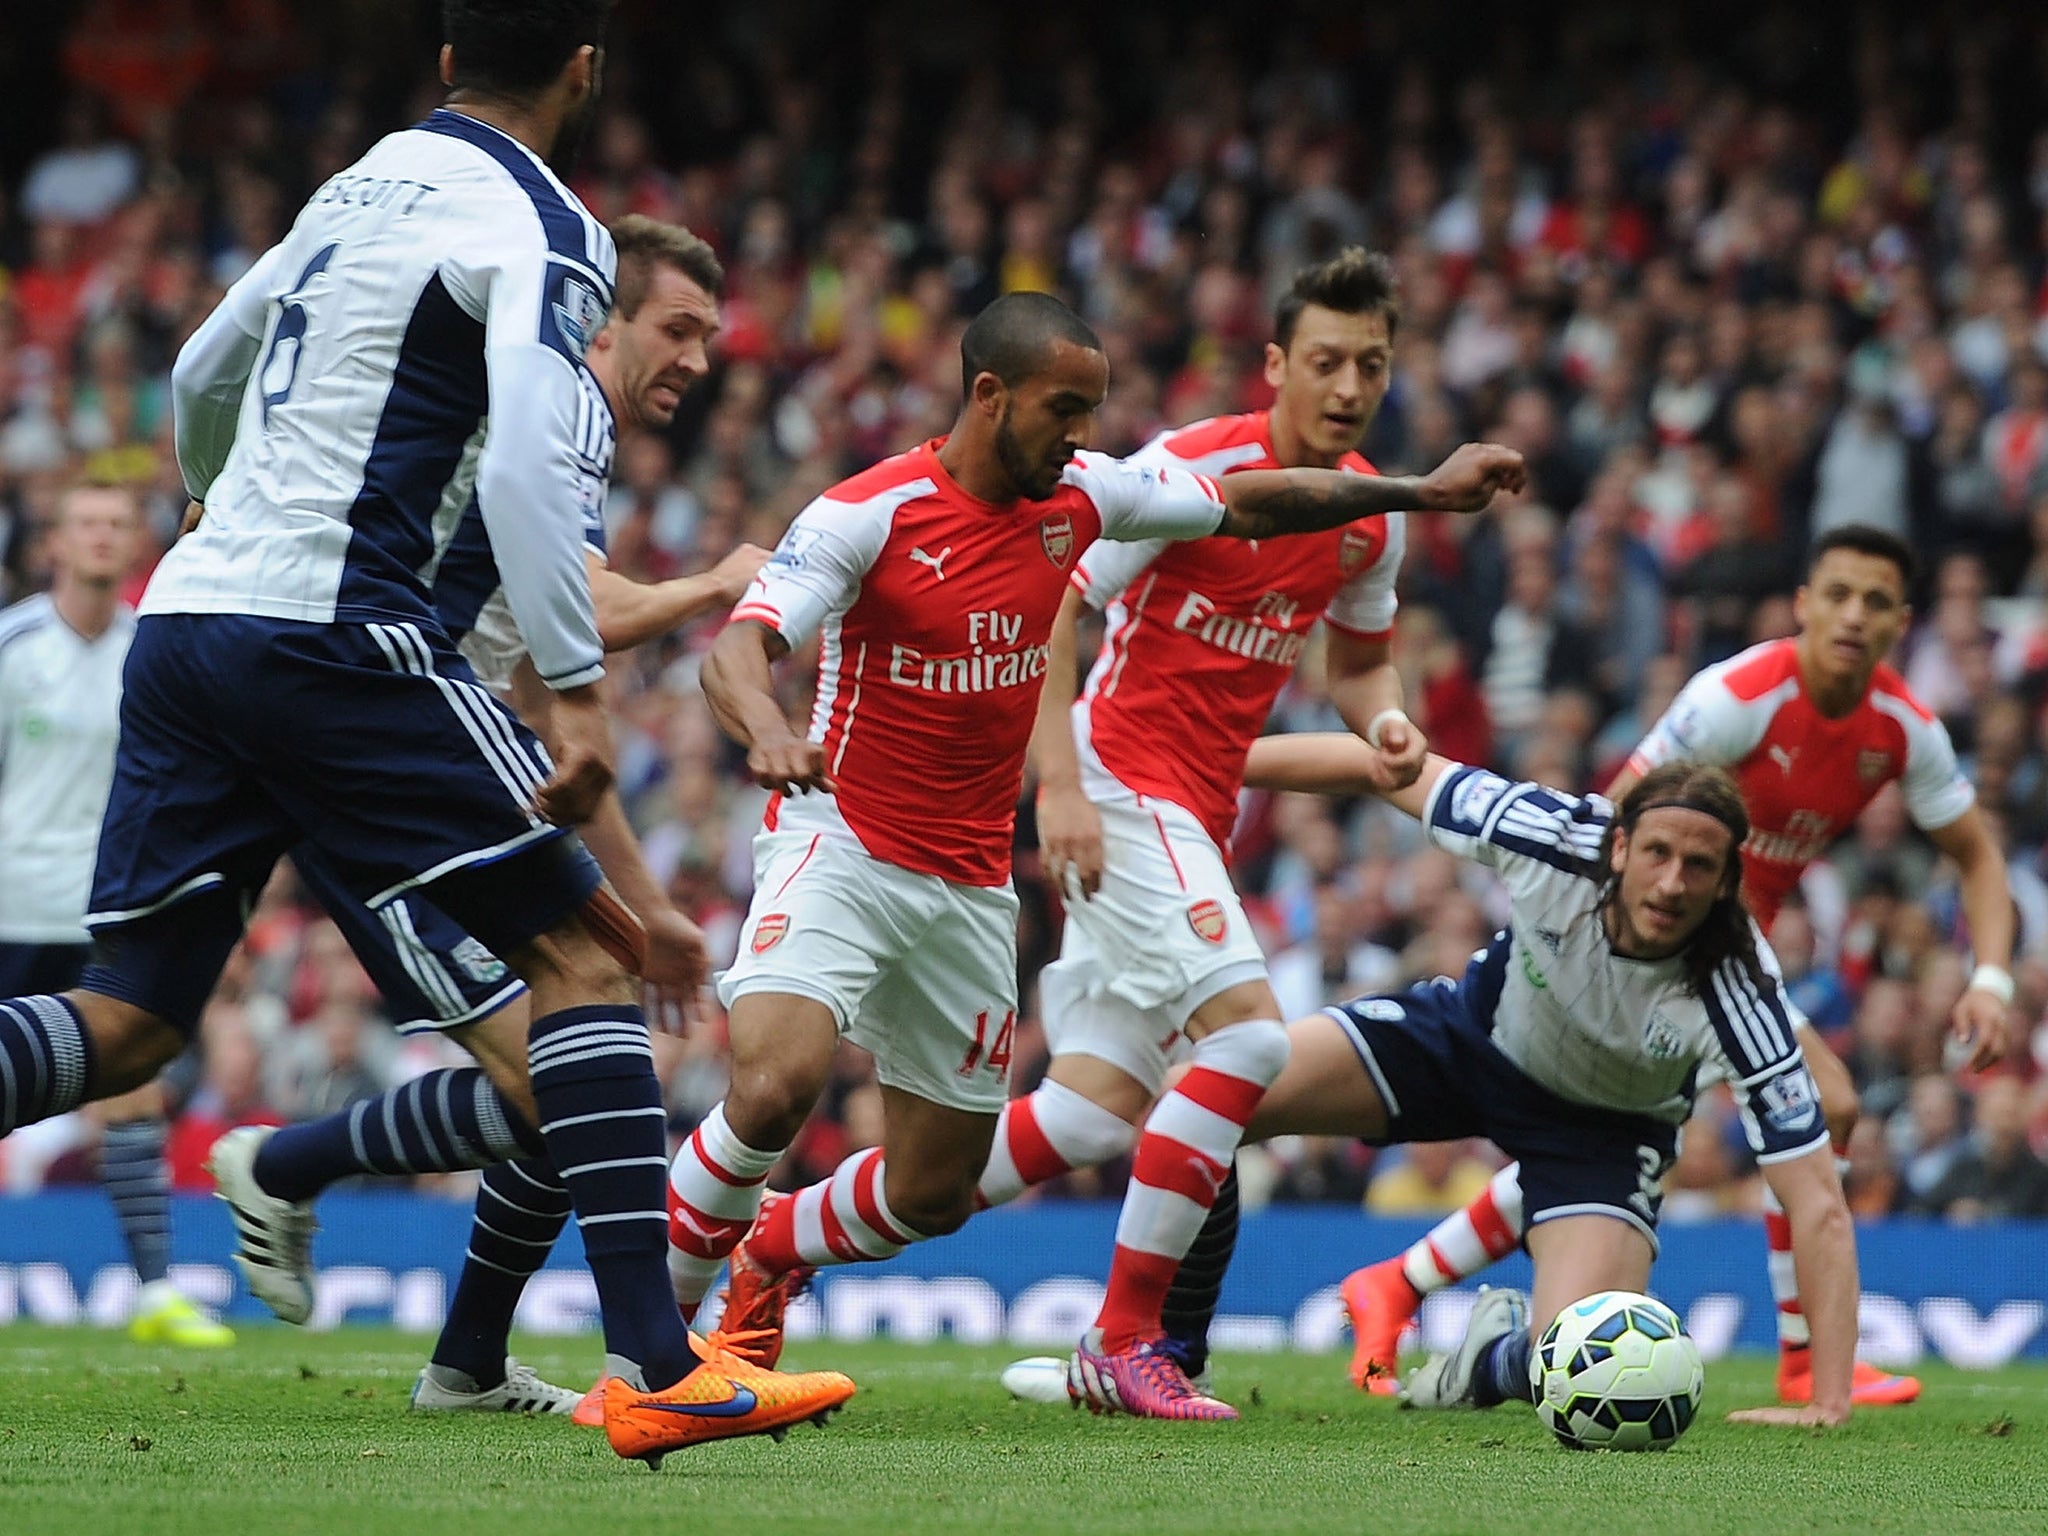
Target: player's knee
column 767, row 1103
column 933, row 1206
column 1086, row 1133
column 1256, row 1048
column 568, row 961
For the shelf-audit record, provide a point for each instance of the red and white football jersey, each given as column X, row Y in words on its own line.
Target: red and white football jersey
column 1805, row 777
column 934, row 608
column 1203, row 635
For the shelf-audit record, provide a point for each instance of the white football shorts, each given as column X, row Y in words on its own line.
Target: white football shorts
column 1163, row 935
column 918, row 970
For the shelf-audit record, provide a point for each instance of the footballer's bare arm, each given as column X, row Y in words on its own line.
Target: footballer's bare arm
column 1267, row 503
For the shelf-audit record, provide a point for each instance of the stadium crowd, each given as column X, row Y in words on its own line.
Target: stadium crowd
column 1739, row 292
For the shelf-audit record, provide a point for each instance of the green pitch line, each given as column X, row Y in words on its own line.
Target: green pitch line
column 292, row 1433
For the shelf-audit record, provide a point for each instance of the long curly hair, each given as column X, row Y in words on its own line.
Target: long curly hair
column 1726, row 933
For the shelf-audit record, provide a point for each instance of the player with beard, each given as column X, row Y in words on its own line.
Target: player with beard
column 433, row 976
column 415, row 339
column 883, row 908
column 1811, row 727
column 1202, row 635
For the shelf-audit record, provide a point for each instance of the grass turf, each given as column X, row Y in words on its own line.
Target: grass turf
column 292, row 1432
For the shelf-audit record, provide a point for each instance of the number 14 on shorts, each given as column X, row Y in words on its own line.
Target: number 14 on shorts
column 997, row 1059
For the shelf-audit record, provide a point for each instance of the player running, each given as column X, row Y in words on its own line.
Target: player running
column 1811, row 728
column 1575, row 1041
column 1203, row 634
column 290, row 682
column 883, row 908
column 60, row 709
column 652, row 351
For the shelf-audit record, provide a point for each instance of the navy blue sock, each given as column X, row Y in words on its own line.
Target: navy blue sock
column 440, row 1122
column 1197, row 1287
column 600, row 1110
column 519, row 1214
column 138, row 1184
column 1503, row 1373
column 46, row 1060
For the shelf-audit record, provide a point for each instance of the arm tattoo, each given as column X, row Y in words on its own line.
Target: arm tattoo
column 1266, row 504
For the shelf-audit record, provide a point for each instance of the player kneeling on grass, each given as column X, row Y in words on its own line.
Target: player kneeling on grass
column 1627, row 971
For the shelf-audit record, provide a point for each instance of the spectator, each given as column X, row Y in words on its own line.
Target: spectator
column 1998, row 1176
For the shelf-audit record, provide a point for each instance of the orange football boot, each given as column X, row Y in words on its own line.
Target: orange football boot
column 755, row 1301
column 1381, row 1302
column 1869, row 1387
column 723, row 1399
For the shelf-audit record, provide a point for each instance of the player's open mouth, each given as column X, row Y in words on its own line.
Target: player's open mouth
column 1340, row 422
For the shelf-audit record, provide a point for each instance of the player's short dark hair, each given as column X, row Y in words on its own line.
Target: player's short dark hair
column 1727, row 933
column 1866, row 540
column 645, row 244
column 516, row 48
column 1355, row 281
column 1014, row 337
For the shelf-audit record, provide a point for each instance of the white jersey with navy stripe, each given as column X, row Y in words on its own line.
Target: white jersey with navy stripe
column 60, row 716
column 468, row 594
column 415, row 340
column 1596, row 1027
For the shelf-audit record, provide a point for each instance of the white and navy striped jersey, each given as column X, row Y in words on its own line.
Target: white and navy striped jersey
column 1593, row 1026
column 60, row 717
column 469, row 595
column 415, row 340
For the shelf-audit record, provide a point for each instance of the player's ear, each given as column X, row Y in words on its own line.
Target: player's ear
column 988, row 394
column 582, row 72
column 447, row 65
column 1276, row 364
column 1617, row 858
column 1799, row 605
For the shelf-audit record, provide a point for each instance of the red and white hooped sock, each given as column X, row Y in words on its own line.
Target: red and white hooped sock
column 714, row 1192
column 1187, row 1146
column 1051, row 1131
column 1468, row 1241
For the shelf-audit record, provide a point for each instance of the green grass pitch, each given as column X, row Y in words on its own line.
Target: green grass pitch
column 292, row 1432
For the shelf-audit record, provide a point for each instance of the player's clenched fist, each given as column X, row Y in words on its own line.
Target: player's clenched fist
column 1469, row 478
column 788, row 765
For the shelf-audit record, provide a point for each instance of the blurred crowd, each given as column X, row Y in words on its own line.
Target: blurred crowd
column 1725, row 290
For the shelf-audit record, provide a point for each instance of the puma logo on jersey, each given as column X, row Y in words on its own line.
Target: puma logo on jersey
column 936, row 562
column 1782, row 758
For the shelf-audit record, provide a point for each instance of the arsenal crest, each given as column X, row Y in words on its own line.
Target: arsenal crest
column 1207, row 919
column 1056, row 534
column 769, row 931
column 1873, row 764
column 1354, row 551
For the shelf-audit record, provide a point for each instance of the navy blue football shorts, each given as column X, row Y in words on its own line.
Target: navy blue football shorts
column 1442, row 1079
column 372, row 744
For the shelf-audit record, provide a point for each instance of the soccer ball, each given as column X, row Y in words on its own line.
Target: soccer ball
column 1617, row 1372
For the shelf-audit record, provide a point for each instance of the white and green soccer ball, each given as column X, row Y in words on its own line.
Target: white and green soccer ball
column 1617, row 1372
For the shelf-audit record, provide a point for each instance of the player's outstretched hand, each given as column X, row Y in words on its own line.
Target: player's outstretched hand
column 1468, row 480
column 583, row 758
column 1808, row 1417
column 736, row 572
column 1070, row 841
column 1980, row 1028
column 788, row 765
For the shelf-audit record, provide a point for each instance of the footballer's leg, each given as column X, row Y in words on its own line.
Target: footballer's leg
column 1382, row 1299
column 1870, row 1386
column 939, row 1021
column 1324, row 1089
